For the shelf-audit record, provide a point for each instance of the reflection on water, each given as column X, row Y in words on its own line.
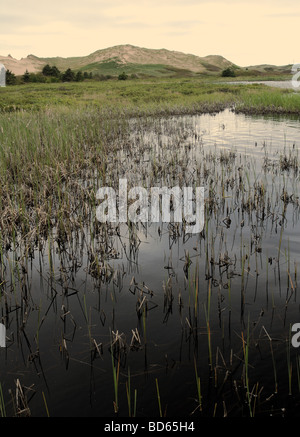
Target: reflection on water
column 165, row 304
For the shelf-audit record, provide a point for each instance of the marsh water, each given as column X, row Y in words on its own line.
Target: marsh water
column 160, row 307
column 287, row 84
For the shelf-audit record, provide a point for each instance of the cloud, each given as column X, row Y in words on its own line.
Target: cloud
column 12, row 22
column 179, row 33
column 283, row 15
column 9, row 48
column 74, row 28
column 183, row 23
column 84, row 15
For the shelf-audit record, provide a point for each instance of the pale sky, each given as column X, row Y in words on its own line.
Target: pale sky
column 244, row 32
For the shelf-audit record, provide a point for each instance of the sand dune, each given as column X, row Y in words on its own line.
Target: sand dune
column 122, row 54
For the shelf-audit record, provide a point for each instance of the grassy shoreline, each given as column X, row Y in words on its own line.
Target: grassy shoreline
column 151, row 97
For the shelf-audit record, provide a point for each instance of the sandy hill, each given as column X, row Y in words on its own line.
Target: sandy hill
column 31, row 63
column 119, row 57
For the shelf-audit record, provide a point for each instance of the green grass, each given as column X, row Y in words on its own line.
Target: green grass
column 114, row 68
column 149, row 96
column 158, row 398
column 272, row 100
column 2, row 403
column 126, row 95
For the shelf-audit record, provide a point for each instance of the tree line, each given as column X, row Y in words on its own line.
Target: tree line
column 53, row 74
column 48, row 74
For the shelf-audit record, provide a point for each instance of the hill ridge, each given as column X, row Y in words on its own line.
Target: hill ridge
column 121, row 55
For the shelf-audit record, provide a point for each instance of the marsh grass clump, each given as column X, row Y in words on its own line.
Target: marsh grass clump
column 289, row 162
column 268, row 100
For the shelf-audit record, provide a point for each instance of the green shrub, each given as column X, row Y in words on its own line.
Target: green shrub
column 228, row 72
column 123, row 76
